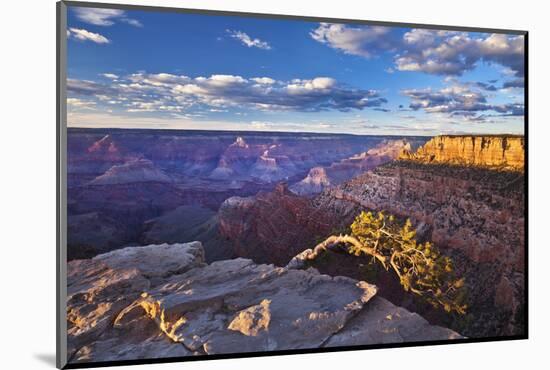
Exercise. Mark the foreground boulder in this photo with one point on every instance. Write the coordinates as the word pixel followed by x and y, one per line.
pixel 164 301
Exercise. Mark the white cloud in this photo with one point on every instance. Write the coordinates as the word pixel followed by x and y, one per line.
pixel 84 35
pixel 111 76
pixel 453 53
pixel 165 92
pixel 249 41
pixel 305 86
pixel 464 100
pixel 263 80
pixel 447 53
pixel 104 17
pixel 364 41
pixel 98 17
pixel 75 103
pixel 132 22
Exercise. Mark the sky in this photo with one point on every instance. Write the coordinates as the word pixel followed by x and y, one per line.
pixel 147 69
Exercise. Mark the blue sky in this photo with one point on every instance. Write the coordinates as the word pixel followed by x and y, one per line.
pixel 143 69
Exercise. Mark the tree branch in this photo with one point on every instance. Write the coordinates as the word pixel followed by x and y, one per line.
pixel 298 261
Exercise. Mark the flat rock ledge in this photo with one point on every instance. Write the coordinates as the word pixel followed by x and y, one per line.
pixel 162 301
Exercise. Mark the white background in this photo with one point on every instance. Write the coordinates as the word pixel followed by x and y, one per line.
pixel 27 209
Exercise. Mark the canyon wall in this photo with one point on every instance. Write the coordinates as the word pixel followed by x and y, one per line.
pixel 506 152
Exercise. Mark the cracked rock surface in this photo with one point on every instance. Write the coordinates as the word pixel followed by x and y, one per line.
pixel 164 301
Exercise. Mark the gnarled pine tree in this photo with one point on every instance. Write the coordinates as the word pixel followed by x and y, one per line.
pixel 420 267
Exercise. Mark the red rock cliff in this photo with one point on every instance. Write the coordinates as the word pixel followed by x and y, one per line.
pixel 490 151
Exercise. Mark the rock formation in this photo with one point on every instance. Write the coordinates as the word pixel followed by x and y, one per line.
pixel 506 152
pixel 164 301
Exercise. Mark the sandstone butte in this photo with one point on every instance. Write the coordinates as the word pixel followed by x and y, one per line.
pixel 502 151
pixel 164 301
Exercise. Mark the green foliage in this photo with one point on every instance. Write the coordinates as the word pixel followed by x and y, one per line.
pixel 420 267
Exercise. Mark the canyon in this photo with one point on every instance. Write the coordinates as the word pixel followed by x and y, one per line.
pixel 200 226
pixel 130 187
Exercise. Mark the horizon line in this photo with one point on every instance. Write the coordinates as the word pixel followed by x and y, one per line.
pixel 291 132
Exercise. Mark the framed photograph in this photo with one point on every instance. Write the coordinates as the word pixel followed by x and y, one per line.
pixel 235 184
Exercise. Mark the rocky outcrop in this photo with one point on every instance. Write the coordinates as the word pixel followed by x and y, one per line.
pixel 164 301
pixel 506 152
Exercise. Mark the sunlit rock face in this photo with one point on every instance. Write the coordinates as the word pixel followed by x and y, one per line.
pixel 507 152
pixel 164 301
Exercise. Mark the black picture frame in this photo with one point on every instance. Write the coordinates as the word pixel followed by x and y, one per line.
pixel 61 176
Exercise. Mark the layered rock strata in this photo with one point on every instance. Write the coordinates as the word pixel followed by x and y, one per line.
pixel 506 152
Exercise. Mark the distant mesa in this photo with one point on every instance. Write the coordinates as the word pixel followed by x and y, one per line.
pixel 235 160
pixel 135 171
pixel 499 151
